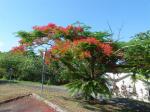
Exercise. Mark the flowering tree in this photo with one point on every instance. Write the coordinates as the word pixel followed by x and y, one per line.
pixel 85 55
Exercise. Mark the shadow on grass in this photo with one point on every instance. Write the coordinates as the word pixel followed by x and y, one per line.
pixel 82 103
pixel 129 105
pixel 114 105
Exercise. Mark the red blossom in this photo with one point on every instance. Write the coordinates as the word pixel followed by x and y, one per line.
pixel 51 25
pixel 61 30
pixel 80 29
pixel 61 47
pixel 45 28
pixel 107 49
pixel 19 49
pixel 47 58
pixel 89 40
pixel 54 47
pixel 87 54
pixel 69 27
pixel 52 29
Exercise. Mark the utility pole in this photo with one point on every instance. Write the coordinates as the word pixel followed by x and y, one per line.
pixel 43 69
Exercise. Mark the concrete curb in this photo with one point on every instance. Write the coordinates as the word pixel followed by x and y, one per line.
pixel 15 98
pixel 54 106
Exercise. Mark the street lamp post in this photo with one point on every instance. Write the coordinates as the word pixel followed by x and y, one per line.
pixel 43 70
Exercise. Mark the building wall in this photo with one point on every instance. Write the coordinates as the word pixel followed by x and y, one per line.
pixel 126 87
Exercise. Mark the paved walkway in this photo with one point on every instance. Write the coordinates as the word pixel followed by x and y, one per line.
pixel 26 104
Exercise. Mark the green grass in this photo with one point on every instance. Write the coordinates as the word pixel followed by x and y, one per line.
pixel 8 91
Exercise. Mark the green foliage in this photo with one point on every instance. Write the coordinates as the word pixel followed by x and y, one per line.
pixel 23 67
pixel 2 73
pixel 137 55
pixel 57 74
pixel 7 61
pixel 89 88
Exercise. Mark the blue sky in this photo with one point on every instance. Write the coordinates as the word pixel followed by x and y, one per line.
pixel 15 15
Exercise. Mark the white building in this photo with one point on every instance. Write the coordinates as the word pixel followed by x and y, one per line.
pixel 124 86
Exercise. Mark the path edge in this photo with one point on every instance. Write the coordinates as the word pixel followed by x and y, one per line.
pixel 54 106
pixel 15 98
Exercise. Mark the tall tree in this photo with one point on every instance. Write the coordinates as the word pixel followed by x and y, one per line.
pixel 85 55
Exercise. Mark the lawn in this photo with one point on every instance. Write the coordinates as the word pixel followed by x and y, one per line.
pixel 59 95
pixel 8 91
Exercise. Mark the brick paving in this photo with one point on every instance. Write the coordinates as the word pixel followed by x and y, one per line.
pixel 26 104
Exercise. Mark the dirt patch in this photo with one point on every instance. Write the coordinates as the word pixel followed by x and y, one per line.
pixel 25 104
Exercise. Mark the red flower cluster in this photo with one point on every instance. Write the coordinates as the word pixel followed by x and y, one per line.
pixel 25 44
pixel 18 50
pixel 54 29
pixel 85 54
pixel 107 49
pixel 61 47
pixel 70 39
pixel 89 40
pixel 47 57
pixel 45 28
pixel 76 29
